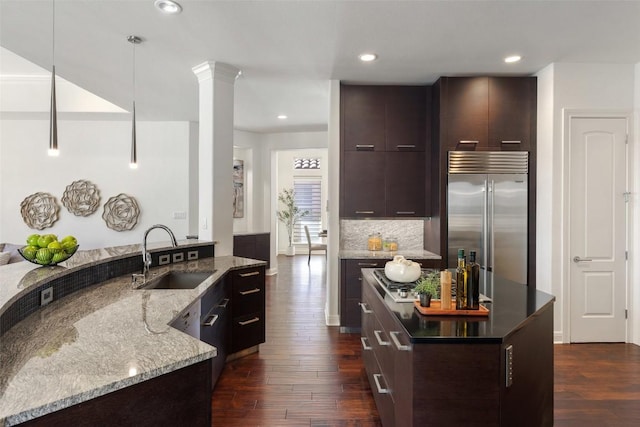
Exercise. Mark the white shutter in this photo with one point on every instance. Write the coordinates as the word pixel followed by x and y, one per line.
pixel 308 197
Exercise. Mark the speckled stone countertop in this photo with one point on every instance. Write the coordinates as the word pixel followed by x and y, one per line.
pixel 409 254
pixel 98 340
pixel 19 278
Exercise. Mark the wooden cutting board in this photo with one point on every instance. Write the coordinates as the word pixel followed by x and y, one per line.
pixel 436 310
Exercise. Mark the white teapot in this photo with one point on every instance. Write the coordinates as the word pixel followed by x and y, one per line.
pixel 402 270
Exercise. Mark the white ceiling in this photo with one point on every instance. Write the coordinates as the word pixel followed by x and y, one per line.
pixel 288 50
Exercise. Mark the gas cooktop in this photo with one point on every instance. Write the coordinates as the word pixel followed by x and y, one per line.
pixel 399 292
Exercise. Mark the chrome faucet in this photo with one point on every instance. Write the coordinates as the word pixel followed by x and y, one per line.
pixel 146 256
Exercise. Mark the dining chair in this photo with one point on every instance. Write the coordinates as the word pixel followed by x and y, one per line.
pixel 314 246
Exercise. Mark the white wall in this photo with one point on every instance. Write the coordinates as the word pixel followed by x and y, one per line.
pixel 97 151
pixel 592 87
pixel 634 272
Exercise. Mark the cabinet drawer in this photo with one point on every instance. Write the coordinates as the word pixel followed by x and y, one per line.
pixel 247 331
pixel 379 389
pixel 248 292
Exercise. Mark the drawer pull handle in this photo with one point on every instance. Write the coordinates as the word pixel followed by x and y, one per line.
pixel 379 338
pixel 376 378
pixel 365 212
pixel 250 291
pixel 186 315
pixel 364 308
pixel 512 142
pixel 367 264
pixel 250 321
pixel 253 273
pixel 406 213
pixel 396 341
pixel 210 320
pixel 469 142
pixel 224 303
pixel 406 146
pixel 365 346
pixel 365 146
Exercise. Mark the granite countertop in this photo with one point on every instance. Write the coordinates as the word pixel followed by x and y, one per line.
pixel 407 253
pixel 512 305
pixel 98 340
pixel 19 278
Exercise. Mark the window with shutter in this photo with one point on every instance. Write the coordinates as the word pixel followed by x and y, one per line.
pixel 308 197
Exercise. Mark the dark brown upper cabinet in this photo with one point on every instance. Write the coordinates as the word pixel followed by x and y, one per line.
pixel 488 113
pixel 385 150
pixel 363 117
pixel 406 118
pixel 384 118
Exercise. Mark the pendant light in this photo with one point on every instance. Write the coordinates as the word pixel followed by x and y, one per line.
pixel 134 40
pixel 53 112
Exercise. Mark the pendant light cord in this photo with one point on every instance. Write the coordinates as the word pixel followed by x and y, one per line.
pixel 53 33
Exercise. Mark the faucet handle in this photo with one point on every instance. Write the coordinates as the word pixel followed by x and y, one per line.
pixel 137 279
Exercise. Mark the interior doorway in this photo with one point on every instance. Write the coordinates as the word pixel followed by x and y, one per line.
pixel 598 224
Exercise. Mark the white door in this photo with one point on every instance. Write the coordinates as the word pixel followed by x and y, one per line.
pixel 598 229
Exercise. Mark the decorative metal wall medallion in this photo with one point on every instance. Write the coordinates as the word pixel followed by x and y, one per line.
pixel 39 210
pixel 81 198
pixel 121 212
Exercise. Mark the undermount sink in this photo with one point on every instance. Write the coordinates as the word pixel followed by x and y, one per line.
pixel 178 280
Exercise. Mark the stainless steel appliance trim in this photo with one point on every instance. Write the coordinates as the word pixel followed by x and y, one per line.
pixel 469 162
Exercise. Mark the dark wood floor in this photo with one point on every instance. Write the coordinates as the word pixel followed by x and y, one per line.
pixel 308 374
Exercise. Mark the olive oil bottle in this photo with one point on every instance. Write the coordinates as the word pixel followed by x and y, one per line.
pixel 473 282
pixel 461 282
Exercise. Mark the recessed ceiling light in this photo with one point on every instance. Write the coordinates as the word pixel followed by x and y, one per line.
pixel 367 57
pixel 512 58
pixel 282 116
pixel 168 6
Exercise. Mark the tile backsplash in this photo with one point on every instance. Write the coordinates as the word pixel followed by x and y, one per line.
pixel 355 232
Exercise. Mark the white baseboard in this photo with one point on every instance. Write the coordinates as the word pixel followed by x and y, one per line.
pixel 272 272
pixel 331 319
pixel 558 338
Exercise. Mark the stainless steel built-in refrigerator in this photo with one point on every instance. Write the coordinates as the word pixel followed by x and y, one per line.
pixel 487 210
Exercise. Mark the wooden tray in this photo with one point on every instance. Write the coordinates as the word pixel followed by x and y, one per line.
pixel 436 310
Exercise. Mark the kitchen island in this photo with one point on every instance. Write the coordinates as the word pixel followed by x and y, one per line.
pixel 494 370
pixel 107 349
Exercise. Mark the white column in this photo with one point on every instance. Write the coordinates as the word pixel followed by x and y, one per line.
pixel 332 306
pixel 215 211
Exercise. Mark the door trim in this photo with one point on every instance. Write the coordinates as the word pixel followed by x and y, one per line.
pixel 565 267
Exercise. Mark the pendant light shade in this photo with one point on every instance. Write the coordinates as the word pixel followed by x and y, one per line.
pixel 53 112
pixel 133 164
pixel 53 118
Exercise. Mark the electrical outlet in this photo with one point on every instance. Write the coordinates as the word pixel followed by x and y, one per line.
pixel 192 255
pixel 508 356
pixel 178 257
pixel 180 215
pixel 164 259
pixel 46 296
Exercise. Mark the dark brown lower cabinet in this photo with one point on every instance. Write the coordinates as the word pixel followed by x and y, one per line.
pixel 254 246
pixel 457 382
pixel 248 299
pixel 179 398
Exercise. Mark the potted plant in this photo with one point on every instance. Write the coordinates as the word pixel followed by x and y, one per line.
pixel 428 287
pixel 290 215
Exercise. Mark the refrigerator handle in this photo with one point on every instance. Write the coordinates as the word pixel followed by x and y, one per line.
pixel 485 227
pixel 490 231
